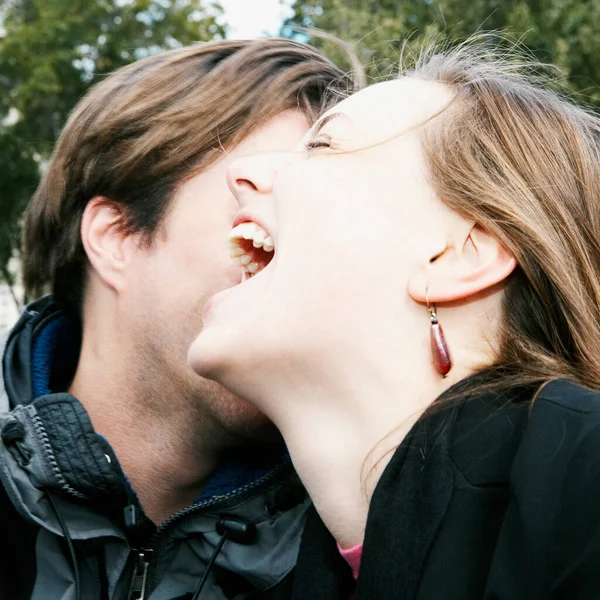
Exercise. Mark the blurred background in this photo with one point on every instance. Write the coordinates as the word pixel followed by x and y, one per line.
pixel 52 51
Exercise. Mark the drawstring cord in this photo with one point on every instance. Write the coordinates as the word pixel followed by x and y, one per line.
pixel 209 566
pixel 233 528
pixel 70 546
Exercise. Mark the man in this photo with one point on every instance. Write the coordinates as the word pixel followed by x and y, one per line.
pixel 124 475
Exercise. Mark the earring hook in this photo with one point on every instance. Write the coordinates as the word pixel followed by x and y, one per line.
pixel 431 308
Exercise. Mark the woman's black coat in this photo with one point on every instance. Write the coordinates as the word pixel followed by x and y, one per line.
pixel 496 498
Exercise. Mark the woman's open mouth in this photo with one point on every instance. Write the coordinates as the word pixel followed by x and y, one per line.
pixel 252 246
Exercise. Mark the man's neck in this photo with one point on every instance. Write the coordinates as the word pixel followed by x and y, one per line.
pixel 158 452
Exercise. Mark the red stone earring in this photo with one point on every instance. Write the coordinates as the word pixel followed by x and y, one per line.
pixel 439 348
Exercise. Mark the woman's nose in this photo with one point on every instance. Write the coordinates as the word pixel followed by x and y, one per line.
pixel 250 177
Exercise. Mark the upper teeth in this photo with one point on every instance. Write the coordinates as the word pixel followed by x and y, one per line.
pixel 260 239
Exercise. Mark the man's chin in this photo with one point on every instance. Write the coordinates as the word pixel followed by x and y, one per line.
pixel 240 418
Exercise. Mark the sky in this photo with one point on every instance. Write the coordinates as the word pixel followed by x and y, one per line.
pixel 253 18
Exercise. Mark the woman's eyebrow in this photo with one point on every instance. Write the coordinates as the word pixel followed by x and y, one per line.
pixel 322 122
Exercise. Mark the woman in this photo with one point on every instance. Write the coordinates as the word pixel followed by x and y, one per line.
pixel 454 464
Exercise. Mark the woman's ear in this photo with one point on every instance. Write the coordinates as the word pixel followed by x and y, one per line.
pixel 474 262
pixel 104 239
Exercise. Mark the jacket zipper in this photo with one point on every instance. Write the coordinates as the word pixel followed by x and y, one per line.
pixel 210 503
pixel 139 580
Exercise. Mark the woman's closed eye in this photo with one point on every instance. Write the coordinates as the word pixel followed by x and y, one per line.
pixel 319 142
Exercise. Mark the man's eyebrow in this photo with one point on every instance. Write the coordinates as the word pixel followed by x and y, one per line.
pixel 322 122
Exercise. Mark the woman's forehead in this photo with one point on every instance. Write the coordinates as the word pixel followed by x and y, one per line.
pixel 392 107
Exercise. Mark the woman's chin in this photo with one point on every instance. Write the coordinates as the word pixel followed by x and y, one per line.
pixel 224 316
pixel 208 354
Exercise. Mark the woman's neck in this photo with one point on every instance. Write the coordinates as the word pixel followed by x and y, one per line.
pixel 340 465
pixel 341 427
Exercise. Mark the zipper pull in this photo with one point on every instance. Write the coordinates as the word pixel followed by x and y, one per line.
pixel 137 589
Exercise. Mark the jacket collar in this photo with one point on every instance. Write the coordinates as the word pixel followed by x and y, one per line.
pixel 40 352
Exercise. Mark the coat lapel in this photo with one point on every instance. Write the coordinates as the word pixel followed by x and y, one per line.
pixel 407 508
pixel 321 572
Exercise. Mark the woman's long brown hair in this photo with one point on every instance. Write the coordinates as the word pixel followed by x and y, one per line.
pixel 523 161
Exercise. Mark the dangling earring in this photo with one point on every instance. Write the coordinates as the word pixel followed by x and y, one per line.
pixel 439 348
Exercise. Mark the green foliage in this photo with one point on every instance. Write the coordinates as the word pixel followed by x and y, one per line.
pixel 376 28
pixel 51 52
pixel 563 32
pixel 18 178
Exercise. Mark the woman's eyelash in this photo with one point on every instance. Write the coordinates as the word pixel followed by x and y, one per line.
pixel 318 143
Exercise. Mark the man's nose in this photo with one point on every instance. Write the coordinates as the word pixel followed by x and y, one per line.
pixel 251 177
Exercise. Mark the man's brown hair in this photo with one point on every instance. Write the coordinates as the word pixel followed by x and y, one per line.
pixel 137 135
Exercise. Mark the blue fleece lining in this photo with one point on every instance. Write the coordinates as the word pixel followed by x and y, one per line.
pixel 56 350
pixel 47 358
pixel 232 476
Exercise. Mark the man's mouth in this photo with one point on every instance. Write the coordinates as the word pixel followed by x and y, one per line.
pixel 252 246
